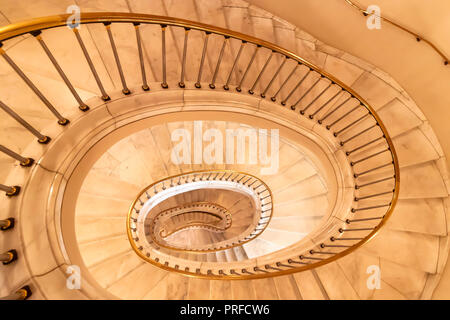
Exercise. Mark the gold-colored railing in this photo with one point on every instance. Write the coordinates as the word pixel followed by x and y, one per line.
pixel 417 36
pixel 204 215
pixel 338 120
pixel 139 222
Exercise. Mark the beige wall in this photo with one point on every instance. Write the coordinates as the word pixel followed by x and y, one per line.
pixel 416 67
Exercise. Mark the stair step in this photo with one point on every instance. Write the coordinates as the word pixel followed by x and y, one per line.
pixel 310 286
pixel 265 289
pixel 287 288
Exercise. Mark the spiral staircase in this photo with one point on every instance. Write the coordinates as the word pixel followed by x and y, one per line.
pixel 361 178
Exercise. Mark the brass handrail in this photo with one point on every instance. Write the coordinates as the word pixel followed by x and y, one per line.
pixel 415 35
pixel 36 25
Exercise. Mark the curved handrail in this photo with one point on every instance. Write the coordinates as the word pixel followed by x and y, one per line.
pixel 37 25
pixel 415 35
pixel 206 209
pixel 239 178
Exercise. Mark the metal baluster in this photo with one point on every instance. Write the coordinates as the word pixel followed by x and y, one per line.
pixel 267 266
pixel 181 84
pixel 263 94
pixel 245 271
pixel 295 88
pixel 145 86
pixel 10 191
pixel 24 162
pixel 202 61
pixel 350 125
pixel 356 135
pixel 368 157
pixel 323 245
pixel 362 146
pixel 274 97
pixel 21 294
pixel 311 116
pixel 251 91
pixel 219 61
pixel 307 91
pixel 373 182
pixel 252 59
pixel 61 120
pixel 316 98
pixel 370 208
pixel 345 239
pixel 105 96
pixel 41 138
pixel 357 175
pixel 125 89
pixel 279 264
pixel 8 257
pixel 321 252
pixel 226 87
pixel 164 84
pixel 256 269
pixel 296 262
pixel 342 117
pixel 348 221
pixel 309 258
pixel 355 230
pixel 82 106
pixel 334 110
pixel 374 195
pixel 7 224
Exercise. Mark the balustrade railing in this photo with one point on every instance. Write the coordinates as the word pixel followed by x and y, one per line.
pixel 141 222
pixel 308 91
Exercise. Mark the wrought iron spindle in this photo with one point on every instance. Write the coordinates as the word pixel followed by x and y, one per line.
pixel 351 124
pixel 295 88
pixel 252 59
pixel 312 115
pixel 21 294
pixel 125 89
pixel 251 91
pixel 274 97
pixel 219 61
pixel 145 86
pixel 202 61
pixel 181 84
pixel 316 98
pixel 8 257
pixel 359 186
pixel 263 94
pixel 236 59
pixel 164 84
pixel 320 121
pixel 24 162
pixel 10 191
pixel 81 105
pixel 105 96
pixel 41 138
pixel 61 120
pixel 7 224
pixel 356 135
pixel 293 107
